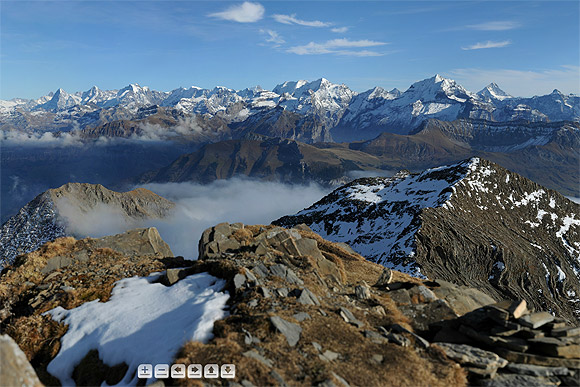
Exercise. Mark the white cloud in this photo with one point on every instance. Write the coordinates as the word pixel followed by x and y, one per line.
pixel 199 207
pixel 488 44
pixel 338 47
pixel 246 12
pixel 291 19
pixel 273 37
pixel 495 26
pixel 339 30
pixel 520 82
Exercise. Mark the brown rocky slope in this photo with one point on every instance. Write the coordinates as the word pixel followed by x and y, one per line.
pixel 303 311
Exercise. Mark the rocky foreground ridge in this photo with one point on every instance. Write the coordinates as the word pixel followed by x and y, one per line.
pixel 473 223
pixel 49 215
pixel 301 311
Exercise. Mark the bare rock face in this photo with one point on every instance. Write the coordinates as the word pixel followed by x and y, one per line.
pixel 473 223
pixel 15 370
pixel 138 242
pixel 50 214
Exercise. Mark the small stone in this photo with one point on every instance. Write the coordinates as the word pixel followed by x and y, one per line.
pixel 264 291
pixel 305 297
pixel 349 317
pixel 481 373
pixel 290 330
pixel 343 382
pixel 251 277
pixel 529 358
pixel 328 356
pixel 222 231
pixel 67 288
pixel 518 308
pixel 253 303
pixel 398 339
pixel 497 314
pixel 362 292
pixel 261 270
pixel 239 280
pixel 385 278
pixel 566 332
pixel 536 320
pixel 374 336
pixel 255 355
pixel 286 273
pixel 322 312
pixel 55 263
pixel 534 370
pixel 282 292
pixel 377 358
pixel 515 380
pixel 51 276
pixel 301 316
pixel 400 297
pixel 424 294
pixel 261 249
pixel 317 346
pixel 228 245
pixel 418 339
pixel 174 275
pixel 281 382
pixel 471 356
pixel 379 310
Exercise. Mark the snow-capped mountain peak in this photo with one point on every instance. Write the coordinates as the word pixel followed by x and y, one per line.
pixel 493 92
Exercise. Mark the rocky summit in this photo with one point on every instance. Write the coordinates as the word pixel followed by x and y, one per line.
pixel 473 223
pixel 301 311
pixel 50 214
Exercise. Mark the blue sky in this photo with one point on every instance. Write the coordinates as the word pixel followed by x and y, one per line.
pixel 526 47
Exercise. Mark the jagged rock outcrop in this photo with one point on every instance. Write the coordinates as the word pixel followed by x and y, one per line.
pixel 50 214
pixel 473 223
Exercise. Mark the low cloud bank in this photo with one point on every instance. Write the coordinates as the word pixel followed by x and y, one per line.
pixel 199 207
pixel 149 133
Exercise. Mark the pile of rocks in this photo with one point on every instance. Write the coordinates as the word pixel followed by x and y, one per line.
pixel 518 347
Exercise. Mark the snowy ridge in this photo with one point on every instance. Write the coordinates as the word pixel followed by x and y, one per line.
pixel 379 217
pixel 471 222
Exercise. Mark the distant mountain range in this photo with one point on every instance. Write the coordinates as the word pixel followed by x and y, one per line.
pixel 320 110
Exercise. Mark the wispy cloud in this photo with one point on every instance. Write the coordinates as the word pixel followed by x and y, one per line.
pixel 339 30
pixel 495 26
pixel 246 12
pixel 521 82
pixel 338 47
pixel 488 44
pixel 291 19
pixel 273 37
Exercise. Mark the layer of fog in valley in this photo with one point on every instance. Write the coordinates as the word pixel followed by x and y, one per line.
pixel 199 207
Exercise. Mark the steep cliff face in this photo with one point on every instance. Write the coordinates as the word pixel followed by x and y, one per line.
pixel 47 216
pixel 472 223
